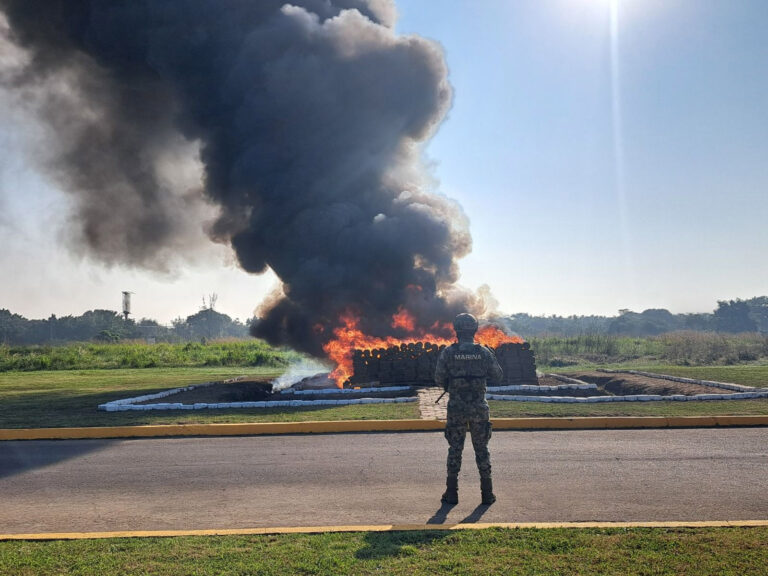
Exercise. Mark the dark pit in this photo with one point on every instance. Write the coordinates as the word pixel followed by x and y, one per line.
pixel 240 391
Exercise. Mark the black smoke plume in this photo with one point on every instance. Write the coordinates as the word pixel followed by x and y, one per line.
pixel 310 118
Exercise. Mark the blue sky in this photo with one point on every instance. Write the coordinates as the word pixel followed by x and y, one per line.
pixel 531 146
pixel 609 154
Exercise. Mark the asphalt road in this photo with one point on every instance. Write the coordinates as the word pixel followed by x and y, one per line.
pixel 351 479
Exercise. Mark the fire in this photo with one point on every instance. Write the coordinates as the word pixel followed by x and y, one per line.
pixel 403 319
pixel 490 335
pixel 348 337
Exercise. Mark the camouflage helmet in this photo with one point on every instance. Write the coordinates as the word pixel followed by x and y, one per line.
pixel 465 323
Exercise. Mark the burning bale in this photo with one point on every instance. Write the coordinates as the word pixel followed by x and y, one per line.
pixel 414 363
pixel 360 357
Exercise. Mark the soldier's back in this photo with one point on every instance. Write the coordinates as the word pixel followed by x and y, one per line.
pixel 467 367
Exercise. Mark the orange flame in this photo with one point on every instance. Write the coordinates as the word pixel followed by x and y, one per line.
pixel 403 319
pixel 491 336
pixel 348 337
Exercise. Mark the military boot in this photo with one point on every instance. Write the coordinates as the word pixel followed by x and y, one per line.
pixel 486 489
pixel 451 495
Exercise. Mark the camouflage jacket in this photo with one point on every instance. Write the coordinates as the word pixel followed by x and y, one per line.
pixel 463 369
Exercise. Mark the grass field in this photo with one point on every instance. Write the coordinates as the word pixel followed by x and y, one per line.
pixel 678 348
pixel 70 398
pixel 64 398
pixel 501 409
pixel 572 552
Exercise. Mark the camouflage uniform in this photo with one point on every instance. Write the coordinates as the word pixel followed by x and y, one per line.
pixel 462 370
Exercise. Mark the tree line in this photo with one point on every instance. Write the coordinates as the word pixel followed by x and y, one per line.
pixel 730 316
pixel 110 326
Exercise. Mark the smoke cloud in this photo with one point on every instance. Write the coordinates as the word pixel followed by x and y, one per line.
pixel 309 120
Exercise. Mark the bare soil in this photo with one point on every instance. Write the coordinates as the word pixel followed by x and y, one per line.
pixel 624 384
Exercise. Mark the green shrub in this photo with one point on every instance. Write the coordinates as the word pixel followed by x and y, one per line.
pixel 682 348
pixel 87 355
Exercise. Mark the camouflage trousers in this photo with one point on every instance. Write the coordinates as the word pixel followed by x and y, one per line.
pixel 456 432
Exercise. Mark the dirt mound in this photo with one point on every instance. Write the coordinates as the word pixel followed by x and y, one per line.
pixel 320 381
pixel 625 384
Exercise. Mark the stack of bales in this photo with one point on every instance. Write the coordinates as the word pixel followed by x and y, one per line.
pixel 414 363
pixel 518 363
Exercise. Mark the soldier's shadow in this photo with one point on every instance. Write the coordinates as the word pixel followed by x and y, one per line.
pixel 476 514
pixel 441 514
pixel 396 543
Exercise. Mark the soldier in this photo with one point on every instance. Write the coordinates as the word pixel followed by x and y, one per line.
pixel 463 369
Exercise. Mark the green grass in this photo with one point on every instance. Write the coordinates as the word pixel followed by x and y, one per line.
pixel 677 348
pixel 88 355
pixel 501 409
pixel 70 398
pixel 572 552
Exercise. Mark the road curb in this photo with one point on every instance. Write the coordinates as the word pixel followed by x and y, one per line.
pixel 341 426
pixel 378 528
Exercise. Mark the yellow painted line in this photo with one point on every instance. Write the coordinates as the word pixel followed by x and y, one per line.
pixel 734 420
pixel 614 422
pixel 375 528
pixel 339 426
pixel 244 429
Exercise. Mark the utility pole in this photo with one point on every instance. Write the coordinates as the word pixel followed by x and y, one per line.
pixel 127 304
